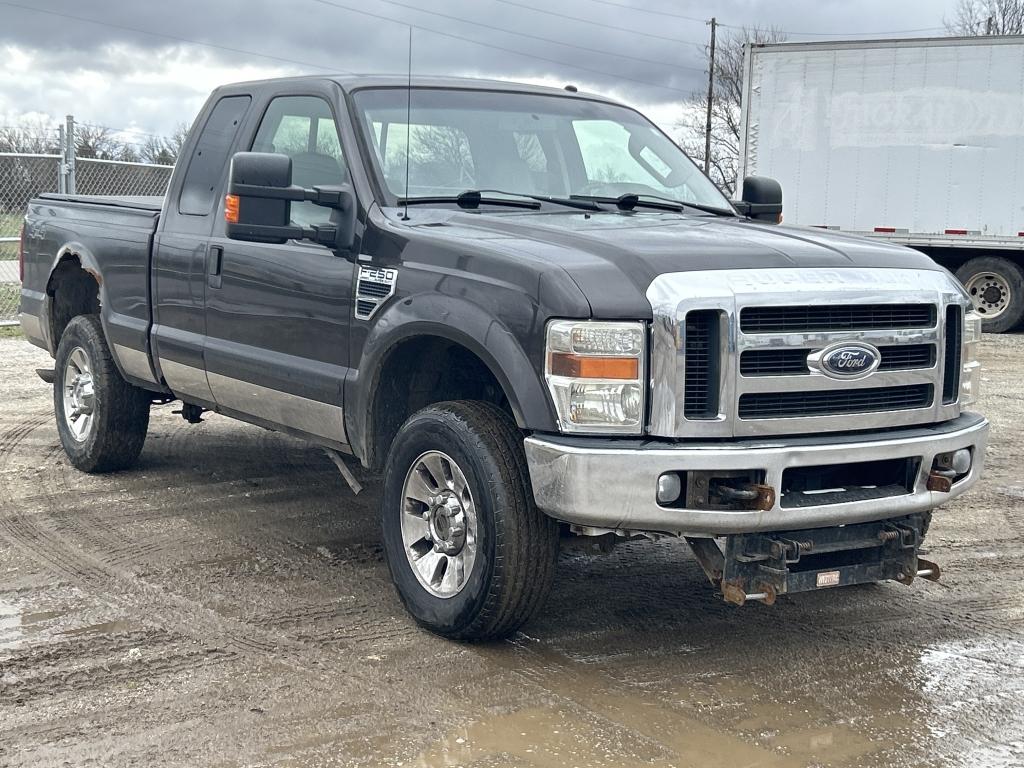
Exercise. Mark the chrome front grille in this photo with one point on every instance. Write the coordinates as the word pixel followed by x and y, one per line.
pixel 764 374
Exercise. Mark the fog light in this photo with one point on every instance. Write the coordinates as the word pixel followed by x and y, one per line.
pixel 961 461
pixel 670 487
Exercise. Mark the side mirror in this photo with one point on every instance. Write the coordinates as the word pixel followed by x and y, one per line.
pixel 259 201
pixel 762 199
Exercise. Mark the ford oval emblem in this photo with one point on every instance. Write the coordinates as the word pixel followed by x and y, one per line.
pixel 847 361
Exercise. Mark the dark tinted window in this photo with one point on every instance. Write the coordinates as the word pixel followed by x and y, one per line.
pixel 303 128
pixel 210 156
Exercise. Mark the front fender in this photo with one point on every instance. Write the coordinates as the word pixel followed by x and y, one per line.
pixel 463 322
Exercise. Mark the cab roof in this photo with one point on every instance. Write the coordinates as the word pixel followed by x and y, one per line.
pixel 354 82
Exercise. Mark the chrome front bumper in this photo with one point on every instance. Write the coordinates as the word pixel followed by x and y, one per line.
pixel 612 483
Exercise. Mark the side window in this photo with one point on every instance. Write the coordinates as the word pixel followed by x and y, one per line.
pixel 210 156
pixel 303 128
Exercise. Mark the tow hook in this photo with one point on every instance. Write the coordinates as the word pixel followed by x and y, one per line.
pixel 733 592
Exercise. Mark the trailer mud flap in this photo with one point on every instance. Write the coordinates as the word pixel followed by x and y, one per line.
pixel 762 566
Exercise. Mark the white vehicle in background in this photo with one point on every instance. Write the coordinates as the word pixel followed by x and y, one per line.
pixel 919 142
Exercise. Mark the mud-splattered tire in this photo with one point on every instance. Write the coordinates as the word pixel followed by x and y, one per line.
pixel 483 490
pixel 996 286
pixel 109 429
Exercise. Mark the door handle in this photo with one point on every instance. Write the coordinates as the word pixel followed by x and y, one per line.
pixel 214 259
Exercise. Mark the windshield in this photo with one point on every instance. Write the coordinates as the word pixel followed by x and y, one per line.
pixel 524 144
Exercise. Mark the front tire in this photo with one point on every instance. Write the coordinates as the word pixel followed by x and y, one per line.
pixel 101 419
pixel 996 287
pixel 471 556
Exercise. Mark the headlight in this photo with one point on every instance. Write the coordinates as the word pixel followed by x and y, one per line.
pixel 595 373
pixel 970 375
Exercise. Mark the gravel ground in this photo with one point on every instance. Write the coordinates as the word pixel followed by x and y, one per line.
pixel 226 603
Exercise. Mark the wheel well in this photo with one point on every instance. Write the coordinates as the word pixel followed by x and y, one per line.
pixel 74 291
pixel 418 372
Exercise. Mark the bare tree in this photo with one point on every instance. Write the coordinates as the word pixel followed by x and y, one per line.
pixel 154 150
pixel 987 17
pixel 96 141
pixel 33 137
pixel 129 153
pixel 725 108
pixel 164 150
pixel 177 138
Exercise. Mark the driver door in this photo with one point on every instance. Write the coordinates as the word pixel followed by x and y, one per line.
pixel 277 316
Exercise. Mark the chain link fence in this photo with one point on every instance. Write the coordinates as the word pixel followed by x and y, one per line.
pixel 24 176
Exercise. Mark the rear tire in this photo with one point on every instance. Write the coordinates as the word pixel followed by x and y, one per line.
pixel 479 517
pixel 101 419
pixel 996 287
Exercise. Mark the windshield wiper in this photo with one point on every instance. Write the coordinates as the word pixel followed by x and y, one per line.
pixel 631 200
pixel 474 198
pixel 469 199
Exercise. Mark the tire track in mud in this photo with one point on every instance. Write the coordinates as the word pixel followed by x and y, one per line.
pixel 33 533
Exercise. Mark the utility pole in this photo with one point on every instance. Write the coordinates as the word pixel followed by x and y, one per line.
pixel 711 97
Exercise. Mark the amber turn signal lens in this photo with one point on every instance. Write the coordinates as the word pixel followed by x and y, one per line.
pixel 231 209
pixel 577 367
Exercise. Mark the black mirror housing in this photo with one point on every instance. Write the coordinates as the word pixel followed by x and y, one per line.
pixel 259 201
pixel 254 181
pixel 762 199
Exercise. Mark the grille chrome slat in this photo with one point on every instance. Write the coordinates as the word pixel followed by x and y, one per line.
pixel 793 361
pixel 781 405
pixel 839 317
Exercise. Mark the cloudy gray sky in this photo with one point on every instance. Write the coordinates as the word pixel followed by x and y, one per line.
pixel 143 66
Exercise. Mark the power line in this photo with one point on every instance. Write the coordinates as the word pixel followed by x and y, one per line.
pixel 638 9
pixel 171 37
pixel 506 31
pixel 492 46
pixel 844 34
pixel 684 17
pixel 580 19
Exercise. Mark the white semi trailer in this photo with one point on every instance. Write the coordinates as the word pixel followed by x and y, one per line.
pixel 919 142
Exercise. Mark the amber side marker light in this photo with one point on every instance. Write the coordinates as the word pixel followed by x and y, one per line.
pixel 577 367
pixel 231 209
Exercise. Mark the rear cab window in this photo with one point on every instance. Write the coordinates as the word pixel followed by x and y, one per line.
pixel 210 156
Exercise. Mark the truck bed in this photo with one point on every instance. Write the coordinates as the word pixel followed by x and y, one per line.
pixel 138 202
pixel 109 236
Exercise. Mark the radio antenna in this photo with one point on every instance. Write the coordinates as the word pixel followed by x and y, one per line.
pixel 408 127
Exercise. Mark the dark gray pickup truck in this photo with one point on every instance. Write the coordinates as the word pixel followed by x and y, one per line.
pixel 538 319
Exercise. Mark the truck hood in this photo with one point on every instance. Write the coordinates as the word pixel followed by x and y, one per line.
pixel 613 257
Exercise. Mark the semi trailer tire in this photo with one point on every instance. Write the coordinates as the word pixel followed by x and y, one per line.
pixel 996 286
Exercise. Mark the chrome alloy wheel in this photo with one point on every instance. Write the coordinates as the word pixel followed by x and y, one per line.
pixel 990 293
pixel 79 395
pixel 439 524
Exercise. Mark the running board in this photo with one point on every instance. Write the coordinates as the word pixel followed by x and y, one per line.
pixel 762 566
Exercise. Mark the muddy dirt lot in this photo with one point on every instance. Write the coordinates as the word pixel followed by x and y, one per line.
pixel 226 603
